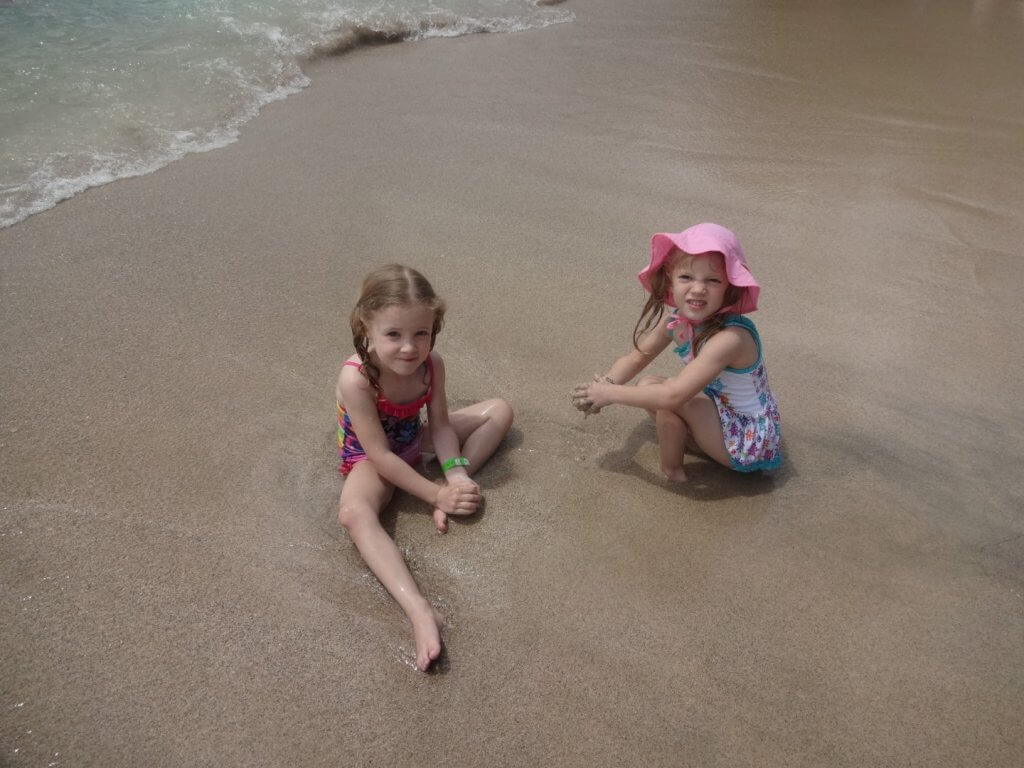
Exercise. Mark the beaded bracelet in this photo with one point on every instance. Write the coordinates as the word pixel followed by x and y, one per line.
pixel 456 461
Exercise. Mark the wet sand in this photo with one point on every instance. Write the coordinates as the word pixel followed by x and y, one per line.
pixel 175 589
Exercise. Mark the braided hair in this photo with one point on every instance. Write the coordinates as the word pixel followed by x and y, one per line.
pixel 389 286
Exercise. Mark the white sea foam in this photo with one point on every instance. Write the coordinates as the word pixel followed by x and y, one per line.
pixel 93 92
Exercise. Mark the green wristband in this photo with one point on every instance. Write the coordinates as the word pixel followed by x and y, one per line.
pixel 457 461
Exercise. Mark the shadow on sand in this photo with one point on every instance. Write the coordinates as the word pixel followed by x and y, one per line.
pixel 709 480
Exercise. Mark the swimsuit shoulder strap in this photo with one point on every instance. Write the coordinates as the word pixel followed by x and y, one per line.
pixel 742 321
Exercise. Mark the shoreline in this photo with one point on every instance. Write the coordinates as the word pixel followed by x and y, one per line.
pixel 142 153
pixel 171 561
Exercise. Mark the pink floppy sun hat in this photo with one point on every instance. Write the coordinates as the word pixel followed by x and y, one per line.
pixel 704 238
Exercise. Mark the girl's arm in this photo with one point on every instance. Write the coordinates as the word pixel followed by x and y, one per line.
pixel 360 401
pixel 629 365
pixel 725 348
pixel 446 441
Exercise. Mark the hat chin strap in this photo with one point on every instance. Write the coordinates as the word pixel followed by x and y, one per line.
pixel 680 319
pixel 677 320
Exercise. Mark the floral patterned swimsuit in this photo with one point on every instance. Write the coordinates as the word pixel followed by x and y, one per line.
pixel 401 423
pixel 746 406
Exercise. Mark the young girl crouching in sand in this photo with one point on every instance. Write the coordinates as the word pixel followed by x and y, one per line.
pixel 720 402
pixel 381 391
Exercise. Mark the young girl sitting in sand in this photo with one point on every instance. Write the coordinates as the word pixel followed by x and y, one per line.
pixel 381 391
pixel 720 402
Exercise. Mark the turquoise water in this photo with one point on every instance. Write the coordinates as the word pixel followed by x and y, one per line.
pixel 92 92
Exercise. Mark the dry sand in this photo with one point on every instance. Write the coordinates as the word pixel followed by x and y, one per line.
pixel 175 589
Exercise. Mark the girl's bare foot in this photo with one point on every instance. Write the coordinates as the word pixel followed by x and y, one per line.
pixel 676 475
pixel 426 629
pixel 441 520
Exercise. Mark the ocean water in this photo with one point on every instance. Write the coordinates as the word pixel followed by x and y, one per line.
pixel 95 91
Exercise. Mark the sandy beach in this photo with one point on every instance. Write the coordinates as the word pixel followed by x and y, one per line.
pixel 175 589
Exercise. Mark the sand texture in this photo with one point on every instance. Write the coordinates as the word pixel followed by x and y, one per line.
pixel 175 589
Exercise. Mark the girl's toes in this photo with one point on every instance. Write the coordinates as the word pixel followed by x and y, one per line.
pixel 441 521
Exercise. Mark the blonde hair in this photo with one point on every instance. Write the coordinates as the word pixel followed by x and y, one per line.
pixel 654 308
pixel 390 286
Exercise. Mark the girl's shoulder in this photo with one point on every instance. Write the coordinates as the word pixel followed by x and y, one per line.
pixel 352 376
pixel 352 368
pixel 741 335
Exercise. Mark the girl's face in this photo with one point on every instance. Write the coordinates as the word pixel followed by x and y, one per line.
pixel 399 336
pixel 698 284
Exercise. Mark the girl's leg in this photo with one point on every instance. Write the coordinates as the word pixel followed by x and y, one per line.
pixel 695 425
pixel 480 428
pixel 705 428
pixel 672 438
pixel 643 381
pixel 362 498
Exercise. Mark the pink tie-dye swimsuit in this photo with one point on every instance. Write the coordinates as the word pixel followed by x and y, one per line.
pixel 401 423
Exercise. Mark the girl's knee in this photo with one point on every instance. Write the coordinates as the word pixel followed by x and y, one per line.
pixel 353 514
pixel 501 413
pixel 643 381
pixel 667 417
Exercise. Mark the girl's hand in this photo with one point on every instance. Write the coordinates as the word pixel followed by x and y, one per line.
pixel 463 490
pixel 460 497
pixel 588 397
